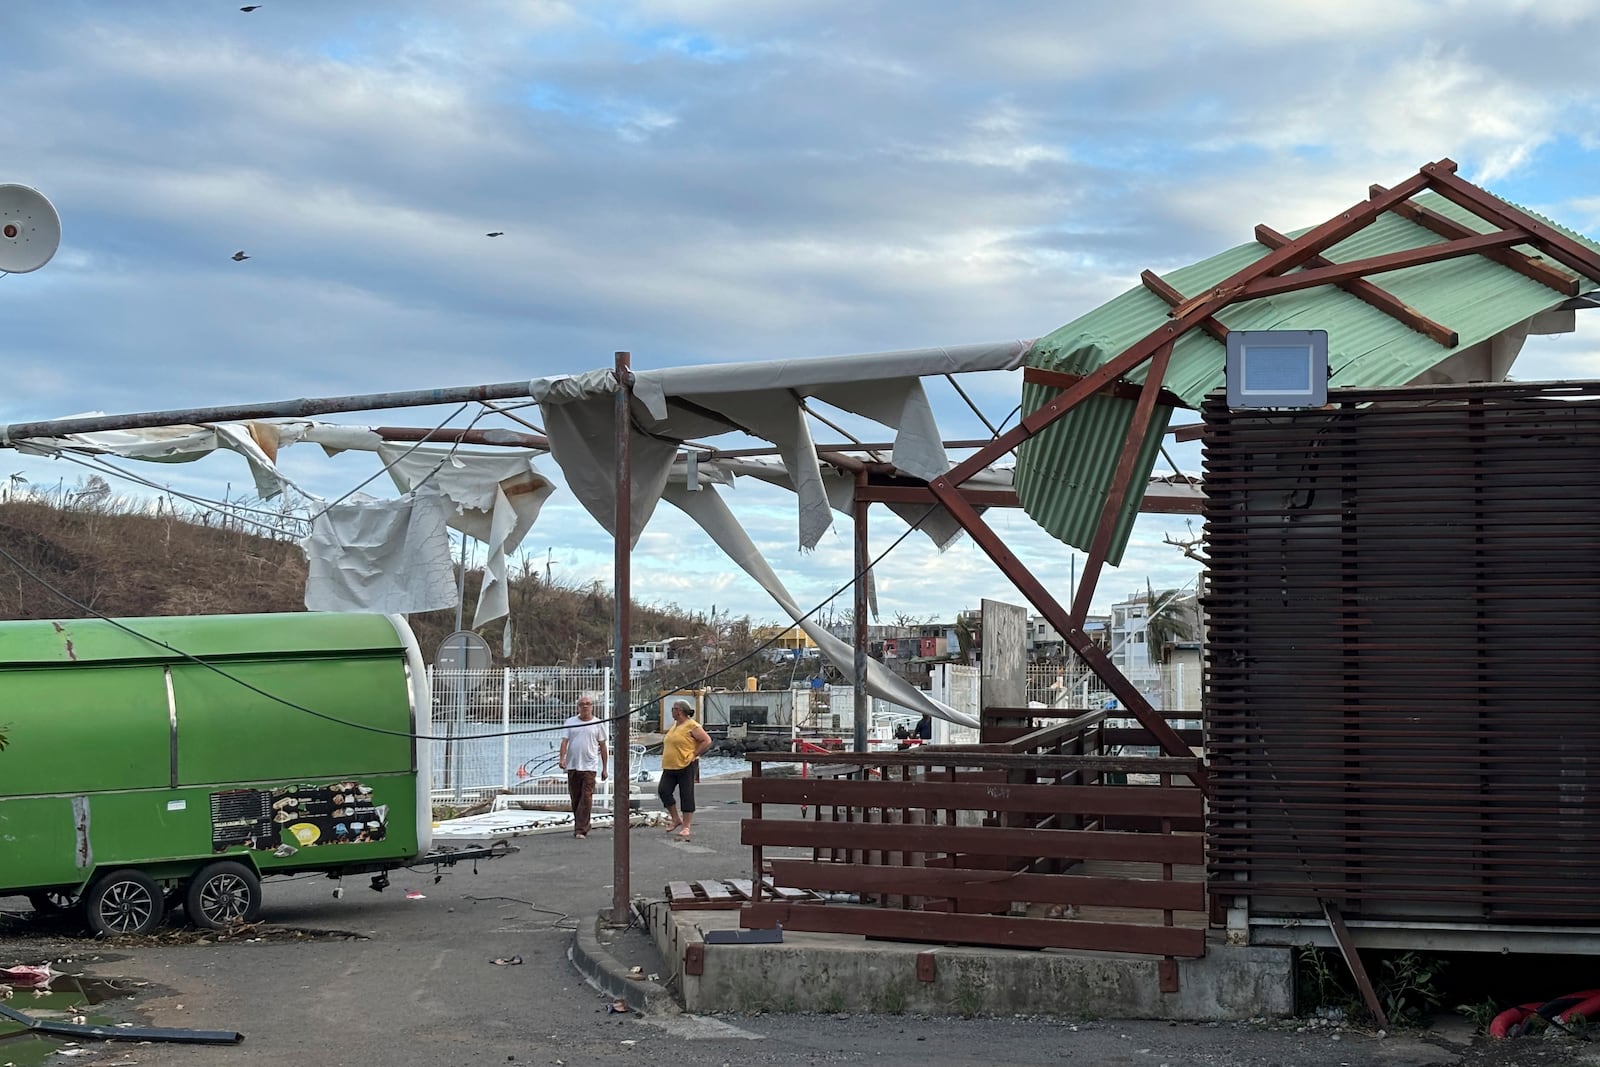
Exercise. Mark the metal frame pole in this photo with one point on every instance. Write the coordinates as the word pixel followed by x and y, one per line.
pixel 862 700
pixel 622 542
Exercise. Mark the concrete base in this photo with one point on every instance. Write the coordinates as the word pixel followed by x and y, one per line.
pixel 835 972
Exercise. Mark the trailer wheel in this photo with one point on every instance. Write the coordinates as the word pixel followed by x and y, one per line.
pixel 53 903
pixel 222 895
pixel 124 902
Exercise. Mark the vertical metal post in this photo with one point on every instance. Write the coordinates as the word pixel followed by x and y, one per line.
pixel 458 728
pixel 862 700
pixel 622 543
pixel 505 728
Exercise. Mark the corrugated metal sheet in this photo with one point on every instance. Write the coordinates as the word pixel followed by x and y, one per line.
pixel 1472 295
pixel 1400 693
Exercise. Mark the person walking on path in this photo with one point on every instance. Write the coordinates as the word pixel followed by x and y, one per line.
pixel 681 748
pixel 583 752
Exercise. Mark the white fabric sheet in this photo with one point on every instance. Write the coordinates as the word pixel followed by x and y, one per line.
pixel 707 508
pixel 391 556
pixel 765 400
pixel 497 497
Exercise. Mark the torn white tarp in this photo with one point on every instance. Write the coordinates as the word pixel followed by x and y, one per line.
pixel 707 508
pixel 497 498
pixel 391 556
pixel 257 442
pixel 931 519
pixel 760 399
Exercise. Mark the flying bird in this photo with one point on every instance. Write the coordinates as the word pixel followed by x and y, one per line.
pixel 250 7
pixel 239 256
pixel 497 233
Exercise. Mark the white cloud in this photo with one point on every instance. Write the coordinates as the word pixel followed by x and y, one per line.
pixel 709 180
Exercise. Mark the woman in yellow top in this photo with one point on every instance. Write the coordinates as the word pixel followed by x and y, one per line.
pixel 681 748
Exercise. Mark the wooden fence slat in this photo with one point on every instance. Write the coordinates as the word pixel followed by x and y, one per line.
pixel 1001 886
pixel 1039 799
pixel 978 929
pixel 981 756
pixel 979 840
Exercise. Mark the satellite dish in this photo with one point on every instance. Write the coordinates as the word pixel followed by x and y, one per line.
pixel 30 229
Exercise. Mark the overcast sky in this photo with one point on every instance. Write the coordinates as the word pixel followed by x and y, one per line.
pixel 708 181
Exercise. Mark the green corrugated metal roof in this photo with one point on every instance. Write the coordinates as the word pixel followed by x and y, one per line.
pixel 1063 473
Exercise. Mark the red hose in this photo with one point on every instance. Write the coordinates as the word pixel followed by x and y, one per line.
pixel 1509 1022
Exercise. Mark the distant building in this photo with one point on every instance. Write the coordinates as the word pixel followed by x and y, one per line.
pixel 650 655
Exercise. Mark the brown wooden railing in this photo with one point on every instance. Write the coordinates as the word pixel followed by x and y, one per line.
pixel 1003 843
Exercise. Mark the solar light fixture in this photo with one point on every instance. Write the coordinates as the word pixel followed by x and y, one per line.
pixel 1277 368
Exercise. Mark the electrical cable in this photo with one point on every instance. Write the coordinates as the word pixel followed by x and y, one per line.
pixel 627 713
pixel 236 511
pixel 59 594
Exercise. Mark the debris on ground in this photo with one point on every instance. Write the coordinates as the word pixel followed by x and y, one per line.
pixel 27 975
pixel 181 1035
pixel 617 1007
pixel 506 961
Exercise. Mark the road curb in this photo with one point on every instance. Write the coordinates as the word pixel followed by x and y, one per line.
pixel 606 973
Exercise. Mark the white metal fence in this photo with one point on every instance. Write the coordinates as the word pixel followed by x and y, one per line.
pixel 503 729
pixel 502 726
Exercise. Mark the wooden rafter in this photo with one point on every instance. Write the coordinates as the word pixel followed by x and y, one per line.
pixel 1521 262
pixel 1123 390
pixel 1153 282
pixel 1372 295
pixel 1357 268
pixel 1544 236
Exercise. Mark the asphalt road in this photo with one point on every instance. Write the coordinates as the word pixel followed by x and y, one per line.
pixel 400 982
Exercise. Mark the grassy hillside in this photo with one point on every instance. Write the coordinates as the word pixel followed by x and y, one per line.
pixel 66 558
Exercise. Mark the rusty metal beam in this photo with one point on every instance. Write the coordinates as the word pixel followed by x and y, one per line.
pixel 490 436
pixel 622 592
pixel 293 409
pixel 1153 502
pixel 921 494
pixel 1352 959
pixel 863 574
pixel 1152 281
pixel 1527 266
pixel 1373 296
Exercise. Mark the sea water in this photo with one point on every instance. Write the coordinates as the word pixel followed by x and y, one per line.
pixel 477 761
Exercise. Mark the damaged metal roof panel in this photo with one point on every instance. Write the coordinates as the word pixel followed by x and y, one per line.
pixel 1063 472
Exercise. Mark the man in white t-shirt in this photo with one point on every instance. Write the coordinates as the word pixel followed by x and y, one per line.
pixel 583 752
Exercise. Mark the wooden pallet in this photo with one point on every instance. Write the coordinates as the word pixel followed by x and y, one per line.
pixel 730 893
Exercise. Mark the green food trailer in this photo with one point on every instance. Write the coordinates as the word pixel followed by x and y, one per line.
pixel 162 761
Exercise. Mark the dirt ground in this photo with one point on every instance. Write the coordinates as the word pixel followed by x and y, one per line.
pixel 383 978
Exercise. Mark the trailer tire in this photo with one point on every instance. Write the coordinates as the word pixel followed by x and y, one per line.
pixel 54 903
pixel 221 895
pixel 124 902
